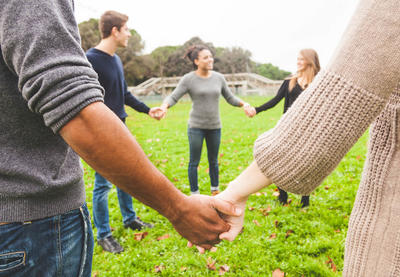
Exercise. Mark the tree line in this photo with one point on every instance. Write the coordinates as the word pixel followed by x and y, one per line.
pixel 168 61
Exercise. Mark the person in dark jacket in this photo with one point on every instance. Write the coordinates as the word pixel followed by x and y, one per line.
pixel 307 67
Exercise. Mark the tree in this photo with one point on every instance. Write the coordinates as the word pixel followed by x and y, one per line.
pixel 177 65
pixel 90 33
pixel 233 60
pixel 160 56
pixel 270 71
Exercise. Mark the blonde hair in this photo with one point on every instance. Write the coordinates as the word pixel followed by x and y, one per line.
pixel 311 69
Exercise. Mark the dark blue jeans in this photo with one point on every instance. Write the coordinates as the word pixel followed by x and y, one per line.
pixel 213 140
pixel 100 206
pixel 61 245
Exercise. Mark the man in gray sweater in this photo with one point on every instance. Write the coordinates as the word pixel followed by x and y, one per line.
pixel 52 111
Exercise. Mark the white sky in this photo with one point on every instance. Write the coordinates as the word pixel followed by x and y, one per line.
pixel 272 30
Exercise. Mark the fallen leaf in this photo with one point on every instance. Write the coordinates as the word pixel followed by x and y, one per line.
pixel 158 268
pixel 211 264
pixel 221 155
pixel 331 264
pixel 164 161
pixel 326 187
pixel 240 167
pixel 258 194
pixel 163 237
pixel 256 222
pixel 223 269
pixel 288 233
pixel 140 236
pixel 207 170
pixel 337 231
pixel 277 224
pixel 278 273
pixel 358 157
pixel 175 179
pixel 272 236
pixel 183 268
pixel 276 193
pixel 251 208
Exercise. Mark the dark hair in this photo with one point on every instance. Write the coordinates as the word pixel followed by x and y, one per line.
pixel 193 52
pixel 111 19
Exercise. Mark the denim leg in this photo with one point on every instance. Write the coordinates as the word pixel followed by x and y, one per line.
pixel 54 246
pixel 100 206
pixel 196 137
pixel 126 206
pixel 213 140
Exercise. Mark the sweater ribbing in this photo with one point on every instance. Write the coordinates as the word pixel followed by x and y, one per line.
pixel 317 131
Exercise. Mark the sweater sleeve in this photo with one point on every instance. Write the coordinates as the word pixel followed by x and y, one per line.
pixel 135 103
pixel 274 101
pixel 328 118
pixel 180 90
pixel 228 95
pixel 40 44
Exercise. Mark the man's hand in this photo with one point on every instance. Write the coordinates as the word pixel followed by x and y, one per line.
pixel 156 113
pixel 199 220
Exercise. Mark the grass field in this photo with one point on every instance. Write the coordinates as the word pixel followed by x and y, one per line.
pixel 299 242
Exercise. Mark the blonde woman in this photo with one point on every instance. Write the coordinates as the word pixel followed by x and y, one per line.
pixel 307 67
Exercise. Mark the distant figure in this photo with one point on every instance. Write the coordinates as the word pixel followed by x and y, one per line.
pixel 108 66
pixel 205 87
pixel 307 67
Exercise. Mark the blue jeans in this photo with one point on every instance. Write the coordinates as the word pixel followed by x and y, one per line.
pixel 213 140
pixel 100 206
pixel 61 245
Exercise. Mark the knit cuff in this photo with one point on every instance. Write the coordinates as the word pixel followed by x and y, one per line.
pixel 317 131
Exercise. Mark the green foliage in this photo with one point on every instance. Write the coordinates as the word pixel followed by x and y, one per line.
pixel 270 71
pixel 169 61
pixel 90 33
pixel 233 60
pixel 313 247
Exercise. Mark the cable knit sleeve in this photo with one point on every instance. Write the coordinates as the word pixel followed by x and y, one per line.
pixel 329 117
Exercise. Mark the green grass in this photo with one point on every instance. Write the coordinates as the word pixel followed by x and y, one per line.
pixel 318 231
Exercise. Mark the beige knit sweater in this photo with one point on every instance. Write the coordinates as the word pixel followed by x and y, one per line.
pixel 329 117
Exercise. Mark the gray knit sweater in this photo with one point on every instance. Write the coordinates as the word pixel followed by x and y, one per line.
pixel 45 80
pixel 328 118
pixel 205 93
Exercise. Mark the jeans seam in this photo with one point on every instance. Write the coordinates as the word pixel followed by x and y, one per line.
pixel 59 246
pixel 21 263
pixel 85 243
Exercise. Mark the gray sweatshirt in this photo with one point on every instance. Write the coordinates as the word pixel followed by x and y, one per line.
pixel 45 80
pixel 205 93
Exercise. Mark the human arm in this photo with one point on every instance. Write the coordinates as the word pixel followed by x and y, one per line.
pixel 60 86
pixel 121 161
pixel 339 105
pixel 233 100
pixel 274 101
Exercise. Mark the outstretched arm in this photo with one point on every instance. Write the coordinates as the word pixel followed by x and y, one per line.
pixel 274 101
pixel 102 140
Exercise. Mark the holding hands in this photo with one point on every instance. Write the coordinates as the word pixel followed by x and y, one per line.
pixel 249 110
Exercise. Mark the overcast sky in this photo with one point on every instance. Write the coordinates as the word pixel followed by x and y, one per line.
pixel 272 30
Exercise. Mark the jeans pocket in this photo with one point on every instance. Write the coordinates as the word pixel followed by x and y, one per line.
pixel 12 260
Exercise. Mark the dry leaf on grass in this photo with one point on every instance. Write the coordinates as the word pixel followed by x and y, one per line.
pixel 158 268
pixel 223 269
pixel 163 237
pixel 211 264
pixel 140 236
